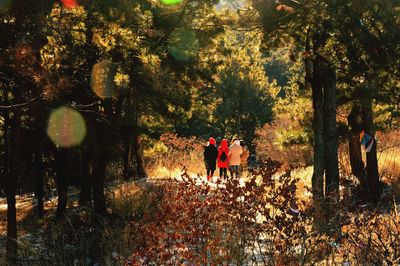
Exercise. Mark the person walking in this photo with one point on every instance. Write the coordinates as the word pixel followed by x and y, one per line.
pixel 235 151
pixel 223 158
pixel 210 158
pixel 244 157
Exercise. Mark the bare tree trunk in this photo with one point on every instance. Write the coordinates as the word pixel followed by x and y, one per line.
pixel 318 126
pixel 62 166
pixel 99 173
pixel 85 195
pixel 330 135
pixel 12 124
pixel 10 188
pixel 86 161
pixel 372 160
pixel 38 163
pixel 103 152
pixel 331 150
pixel 39 175
pixel 357 165
pixel 128 168
pixel 138 149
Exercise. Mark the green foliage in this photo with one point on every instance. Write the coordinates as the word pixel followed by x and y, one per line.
pixel 240 92
pixel 361 41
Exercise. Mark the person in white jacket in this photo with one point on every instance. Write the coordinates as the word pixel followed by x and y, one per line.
pixel 235 150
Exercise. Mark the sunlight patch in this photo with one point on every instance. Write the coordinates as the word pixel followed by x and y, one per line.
pixel 66 127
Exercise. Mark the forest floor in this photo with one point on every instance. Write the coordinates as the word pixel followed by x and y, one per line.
pixel 26 203
pixel 32 231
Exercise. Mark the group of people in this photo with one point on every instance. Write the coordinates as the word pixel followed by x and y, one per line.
pixel 233 157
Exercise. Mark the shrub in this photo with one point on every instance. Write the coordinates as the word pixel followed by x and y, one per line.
pixel 291 146
pixel 231 222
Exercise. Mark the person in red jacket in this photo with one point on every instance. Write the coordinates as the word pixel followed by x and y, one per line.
pixel 223 158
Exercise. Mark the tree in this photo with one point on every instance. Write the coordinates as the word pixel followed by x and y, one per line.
pixel 308 25
pixel 133 67
pixel 369 43
pixel 241 100
pixel 18 83
pixel 353 38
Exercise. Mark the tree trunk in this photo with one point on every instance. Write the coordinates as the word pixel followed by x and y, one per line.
pixel 331 151
pixel 85 195
pixel 318 127
pixel 99 174
pixel 38 164
pixel 330 135
pixel 128 168
pixel 62 170
pixel 39 174
pixel 10 187
pixel 103 152
pixel 372 160
pixel 357 165
pixel 138 150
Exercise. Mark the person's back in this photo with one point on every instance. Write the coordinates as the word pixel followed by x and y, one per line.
pixel 210 153
pixel 235 151
pixel 245 155
pixel 223 158
pixel 210 158
pixel 234 158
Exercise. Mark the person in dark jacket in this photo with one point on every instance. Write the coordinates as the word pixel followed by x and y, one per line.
pixel 210 158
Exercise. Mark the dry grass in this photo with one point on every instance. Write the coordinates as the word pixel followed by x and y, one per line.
pixel 176 153
pixel 304 184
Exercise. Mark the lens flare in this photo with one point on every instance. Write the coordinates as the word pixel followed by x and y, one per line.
pixel 102 79
pixel 5 6
pixel 183 44
pixel 66 127
pixel 171 2
pixel 69 3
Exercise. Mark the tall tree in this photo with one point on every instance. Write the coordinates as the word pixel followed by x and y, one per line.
pixel 308 24
pixel 19 25
pixel 241 97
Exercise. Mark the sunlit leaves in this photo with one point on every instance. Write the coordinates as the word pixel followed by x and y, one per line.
pixel 151 62
pixel 63 26
pixel 121 80
pixel 236 64
pixel 103 40
pixel 52 53
pixel 144 18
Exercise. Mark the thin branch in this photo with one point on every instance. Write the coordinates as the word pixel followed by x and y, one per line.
pixel 86 105
pixel 6 107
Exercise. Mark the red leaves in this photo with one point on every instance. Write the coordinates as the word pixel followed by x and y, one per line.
pixel 210 226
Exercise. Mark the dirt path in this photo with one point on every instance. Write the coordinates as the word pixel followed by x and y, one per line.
pixel 26 203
